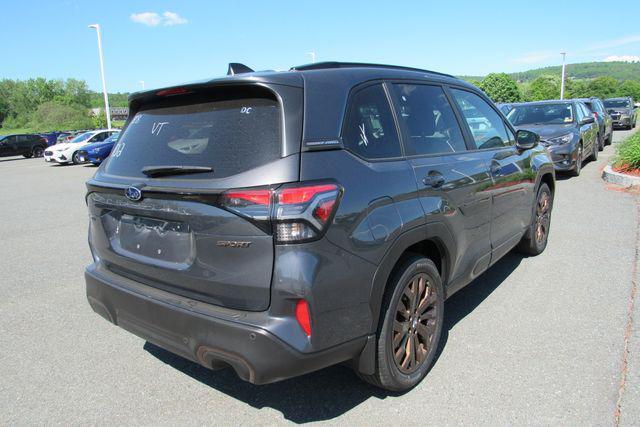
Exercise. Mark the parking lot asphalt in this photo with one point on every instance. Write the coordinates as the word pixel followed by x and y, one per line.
pixel 532 341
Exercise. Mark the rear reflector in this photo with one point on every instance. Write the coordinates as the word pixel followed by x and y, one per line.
pixel 302 316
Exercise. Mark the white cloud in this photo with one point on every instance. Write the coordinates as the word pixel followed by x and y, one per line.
pixel 608 44
pixel 172 18
pixel 153 19
pixel 150 19
pixel 624 58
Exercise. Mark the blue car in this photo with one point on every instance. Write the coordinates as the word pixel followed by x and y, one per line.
pixel 97 152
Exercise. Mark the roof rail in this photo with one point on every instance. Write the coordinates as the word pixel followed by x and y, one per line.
pixel 335 64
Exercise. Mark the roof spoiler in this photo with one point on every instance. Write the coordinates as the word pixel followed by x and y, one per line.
pixel 237 68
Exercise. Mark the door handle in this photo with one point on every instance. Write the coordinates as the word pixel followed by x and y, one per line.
pixel 433 179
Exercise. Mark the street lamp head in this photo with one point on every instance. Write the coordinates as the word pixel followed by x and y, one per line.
pixel 96 26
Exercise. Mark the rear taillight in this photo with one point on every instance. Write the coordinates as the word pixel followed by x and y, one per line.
pixel 595 114
pixel 297 212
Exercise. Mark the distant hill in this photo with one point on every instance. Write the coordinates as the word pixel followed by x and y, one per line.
pixel 586 70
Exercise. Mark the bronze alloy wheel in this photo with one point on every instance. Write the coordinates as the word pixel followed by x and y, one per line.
pixel 414 324
pixel 543 216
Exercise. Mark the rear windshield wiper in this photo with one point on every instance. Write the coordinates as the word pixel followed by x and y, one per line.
pixel 155 171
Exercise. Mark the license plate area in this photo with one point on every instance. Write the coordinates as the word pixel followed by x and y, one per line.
pixel 168 244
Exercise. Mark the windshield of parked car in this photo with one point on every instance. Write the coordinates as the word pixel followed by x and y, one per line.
pixel 82 137
pixel 616 103
pixel 541 114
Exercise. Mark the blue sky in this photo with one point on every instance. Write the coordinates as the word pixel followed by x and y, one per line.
pixel 168 42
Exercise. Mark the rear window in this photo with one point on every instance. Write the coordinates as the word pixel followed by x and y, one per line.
pixel 617 103
pixel 230 136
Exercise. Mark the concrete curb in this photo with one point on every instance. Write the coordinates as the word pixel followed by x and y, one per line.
pixel 609 175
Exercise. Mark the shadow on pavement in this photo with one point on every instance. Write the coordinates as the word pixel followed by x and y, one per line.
pixel 331 392
pixel 13 159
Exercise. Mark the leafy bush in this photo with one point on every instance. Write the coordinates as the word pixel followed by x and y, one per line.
pixel 543 87
pixel 500 88
pixel 628 157
pixel 55 115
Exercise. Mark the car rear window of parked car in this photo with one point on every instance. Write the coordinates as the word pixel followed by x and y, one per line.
pixel 369 130
pixel 486 125
pixel 429 120
pixel 230 136
pixel 617 103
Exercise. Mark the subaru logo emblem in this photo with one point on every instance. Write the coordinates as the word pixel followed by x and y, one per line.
pixel 133 193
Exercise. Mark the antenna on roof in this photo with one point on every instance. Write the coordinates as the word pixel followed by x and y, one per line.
pixel 237 68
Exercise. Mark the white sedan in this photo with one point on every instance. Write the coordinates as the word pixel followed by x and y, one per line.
pixel 68 152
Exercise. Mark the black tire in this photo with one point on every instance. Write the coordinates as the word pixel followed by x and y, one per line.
pixel 37 151
pixel 535 240
pixel 76 158
pixel 607 141
pixel 601 142
pixel 578 167
pixel 594 154
pixel 413 330
pixel 27 155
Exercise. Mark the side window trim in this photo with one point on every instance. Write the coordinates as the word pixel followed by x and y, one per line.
pixel 352 93
pixel 471 145
pixel 402 127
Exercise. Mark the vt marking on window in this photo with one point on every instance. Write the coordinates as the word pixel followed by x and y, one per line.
pixel 156 128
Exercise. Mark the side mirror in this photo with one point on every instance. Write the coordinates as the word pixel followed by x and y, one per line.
pixel 526 140
pixel 587 120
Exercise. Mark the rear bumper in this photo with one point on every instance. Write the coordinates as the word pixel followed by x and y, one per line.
pixel 195 331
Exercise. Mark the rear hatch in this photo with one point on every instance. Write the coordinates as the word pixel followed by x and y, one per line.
pixel 162 206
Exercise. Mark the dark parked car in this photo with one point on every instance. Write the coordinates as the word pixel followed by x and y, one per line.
pixel 98 151
pixel 567 128
pixel 623 112
pixel 234 227
pixel 605 122
pixel 22 145
pixel 505 107
pixel 51 137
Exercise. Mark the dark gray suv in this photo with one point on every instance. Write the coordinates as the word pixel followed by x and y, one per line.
pixel 623 112
pixel 282 222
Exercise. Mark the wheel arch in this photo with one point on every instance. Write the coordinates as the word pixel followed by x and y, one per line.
pixel 431 240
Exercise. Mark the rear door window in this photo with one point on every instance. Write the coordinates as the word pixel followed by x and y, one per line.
pixel 369 130
pixel 230 136
pixel 429 120
pixel 486 125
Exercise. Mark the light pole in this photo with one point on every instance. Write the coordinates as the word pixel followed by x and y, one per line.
pixel 104 84
pixel 313 57
pixel 564 54
pixel 142 83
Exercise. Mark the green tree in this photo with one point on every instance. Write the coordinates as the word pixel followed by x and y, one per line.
pixel 500 88
pixel 54 115
pixel 630 88
pixel 578 89
pixel 603 87
pixel 99 120
pixel 544 87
